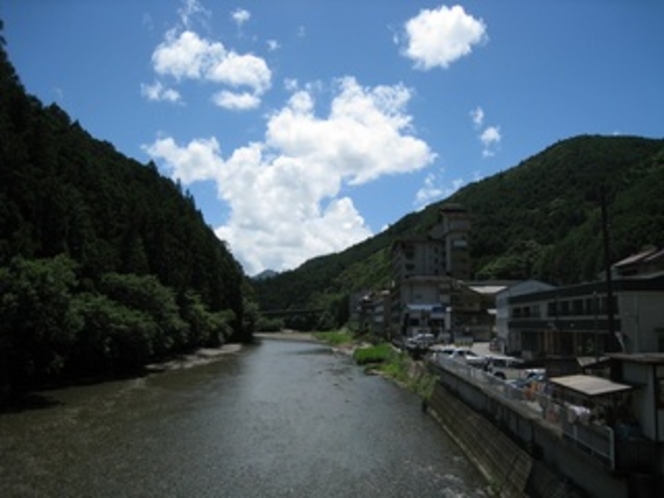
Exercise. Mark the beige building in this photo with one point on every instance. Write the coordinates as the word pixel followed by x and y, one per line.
pixel 427 271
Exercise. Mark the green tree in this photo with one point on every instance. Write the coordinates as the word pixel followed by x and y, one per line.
pixel 37 322
pixel 146 294
pixel 114 339
pixel 206 328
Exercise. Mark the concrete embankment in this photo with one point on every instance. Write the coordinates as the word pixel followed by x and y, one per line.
pixel 520 455
pixel 505 465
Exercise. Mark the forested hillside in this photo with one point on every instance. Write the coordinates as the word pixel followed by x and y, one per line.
pixel 539 219
pixel 104 264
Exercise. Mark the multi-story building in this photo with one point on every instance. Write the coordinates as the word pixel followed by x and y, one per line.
pixel 511 343
pixel 426 270
pixel 574 320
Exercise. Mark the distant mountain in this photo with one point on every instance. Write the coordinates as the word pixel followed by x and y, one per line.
pixel 265 274
pixel 539 219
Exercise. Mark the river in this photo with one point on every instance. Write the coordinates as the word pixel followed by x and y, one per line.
pixel 278 419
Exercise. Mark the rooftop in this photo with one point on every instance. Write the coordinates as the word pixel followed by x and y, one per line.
pixel 589 385
pixel 650 358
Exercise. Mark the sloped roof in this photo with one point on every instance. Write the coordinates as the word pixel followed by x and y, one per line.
pixel 654 256
pixel 488 289
pixel 589 385
pixel 635 258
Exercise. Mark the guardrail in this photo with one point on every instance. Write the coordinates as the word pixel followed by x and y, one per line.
pixel 595 439
pixel 598 440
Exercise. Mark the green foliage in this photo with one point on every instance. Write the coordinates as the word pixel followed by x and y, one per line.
pixel 205 328
pixel 373 354
pixel 147 295
pixel 37 322
pixel 115 338
pixel 264 324
pixel 397 365
pixel 104 263
pixel 403 370
pixel 63 192
pixel 52 328
pixel 335 338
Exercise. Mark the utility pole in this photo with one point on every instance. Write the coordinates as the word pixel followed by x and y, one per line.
pixel 614 344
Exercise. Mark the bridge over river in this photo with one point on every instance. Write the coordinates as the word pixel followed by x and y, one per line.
pixel 281 418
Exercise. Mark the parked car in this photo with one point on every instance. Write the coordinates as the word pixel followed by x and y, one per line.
pixel 469 357
pixel 441 352
pixel 505 367
pixel 420 341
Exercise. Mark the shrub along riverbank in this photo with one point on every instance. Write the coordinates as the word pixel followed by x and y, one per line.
pixel 382 358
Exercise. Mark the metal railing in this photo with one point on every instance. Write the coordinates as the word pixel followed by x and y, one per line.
pixel 598 440
pixel 593 438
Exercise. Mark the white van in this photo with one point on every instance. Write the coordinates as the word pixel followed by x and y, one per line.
pixel 505 367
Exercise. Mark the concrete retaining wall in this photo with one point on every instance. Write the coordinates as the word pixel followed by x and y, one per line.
pixel 504 464
pixel 518 452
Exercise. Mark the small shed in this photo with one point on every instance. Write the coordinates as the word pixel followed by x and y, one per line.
pixel 604 398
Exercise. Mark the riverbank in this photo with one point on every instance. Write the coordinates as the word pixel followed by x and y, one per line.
pixel 287 335
pixel 199 357
pixel 381 359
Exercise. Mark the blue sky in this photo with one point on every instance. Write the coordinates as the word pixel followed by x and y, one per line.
pixel 302 127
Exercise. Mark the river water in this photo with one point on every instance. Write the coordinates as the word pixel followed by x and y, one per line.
pixel 281 418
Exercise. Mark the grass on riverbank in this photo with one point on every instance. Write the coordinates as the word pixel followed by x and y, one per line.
pixel 400 367
pixel 384 359
pixel 335 338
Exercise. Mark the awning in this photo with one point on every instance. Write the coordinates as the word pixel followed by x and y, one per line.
pixel 589 385
pixel 424 307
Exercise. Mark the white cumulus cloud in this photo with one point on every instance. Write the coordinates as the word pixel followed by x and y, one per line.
pixel 434 189
pixel 241 70
pixel 236 101
pixel 285 192
pixel 240 16
pixel 199 160
pixel 192 10
pixel 438 37
pixel 157 92
pixel 490 139
pixel 477 116
pixel 185 55
pixel 190 56
pixel 489 136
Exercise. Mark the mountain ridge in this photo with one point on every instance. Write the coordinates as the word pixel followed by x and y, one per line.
pixel 538 219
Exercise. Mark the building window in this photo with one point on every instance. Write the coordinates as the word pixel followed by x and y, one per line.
pixel 660 392
pixel 660 340
pixel 564 308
